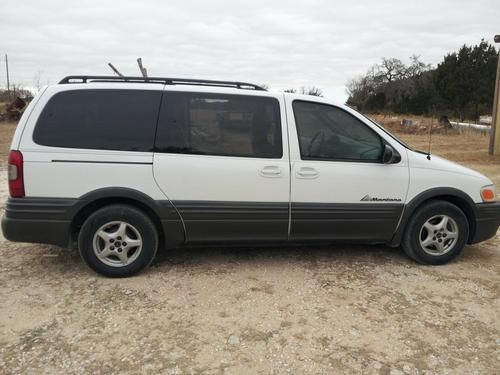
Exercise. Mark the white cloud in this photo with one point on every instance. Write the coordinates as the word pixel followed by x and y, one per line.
pixel 281 43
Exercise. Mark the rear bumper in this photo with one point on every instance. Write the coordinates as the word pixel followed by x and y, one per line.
pixel 487 221
pixel 52 232
pixel 38 220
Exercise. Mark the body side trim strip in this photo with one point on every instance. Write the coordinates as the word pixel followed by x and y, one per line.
pixel 100 162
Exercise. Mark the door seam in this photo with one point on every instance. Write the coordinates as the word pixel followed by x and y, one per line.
pixel 289 170
pixel 153 165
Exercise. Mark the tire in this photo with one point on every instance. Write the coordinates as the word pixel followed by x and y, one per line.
pixel 436 233
pixel 118 241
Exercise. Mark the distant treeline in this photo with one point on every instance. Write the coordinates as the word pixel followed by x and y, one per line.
pixel 461 86
pixel 15 92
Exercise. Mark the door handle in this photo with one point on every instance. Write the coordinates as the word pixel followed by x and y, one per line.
pixel 307 172
pixel 270 171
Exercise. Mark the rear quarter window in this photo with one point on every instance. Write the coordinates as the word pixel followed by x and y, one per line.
pixel 100 119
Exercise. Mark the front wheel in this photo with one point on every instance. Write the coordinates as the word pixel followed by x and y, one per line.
pixel 118 241
pixel 436 233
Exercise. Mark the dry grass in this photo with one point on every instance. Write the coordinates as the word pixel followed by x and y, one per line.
pixel 464 146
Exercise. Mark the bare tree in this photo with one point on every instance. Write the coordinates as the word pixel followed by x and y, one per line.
pixel 387 84
pixel 312 90
pixel 359 88
pixel 416 67
pixel 16 90
pixel 391 69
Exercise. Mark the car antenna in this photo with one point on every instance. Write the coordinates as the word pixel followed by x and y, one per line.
pixel 430 139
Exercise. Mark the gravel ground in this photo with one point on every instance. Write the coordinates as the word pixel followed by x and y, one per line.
pixel 341 309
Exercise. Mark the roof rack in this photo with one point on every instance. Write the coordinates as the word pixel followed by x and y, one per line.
pixel 161 80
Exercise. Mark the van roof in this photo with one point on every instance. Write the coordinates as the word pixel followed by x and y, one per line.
pixel 162 80
pixel 187 84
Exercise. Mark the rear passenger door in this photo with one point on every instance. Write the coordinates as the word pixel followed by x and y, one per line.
pixel 222 159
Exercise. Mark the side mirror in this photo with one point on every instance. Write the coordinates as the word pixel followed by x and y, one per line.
pixel 390 156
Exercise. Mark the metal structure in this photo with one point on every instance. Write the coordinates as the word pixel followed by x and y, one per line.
pixel 143 70
pixel 161 80
pixel 495 124
pixel 115 70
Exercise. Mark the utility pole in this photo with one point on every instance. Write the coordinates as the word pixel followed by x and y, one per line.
pixel 8 78
pixel 495 124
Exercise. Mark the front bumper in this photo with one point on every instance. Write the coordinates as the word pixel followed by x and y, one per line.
pixel 487 221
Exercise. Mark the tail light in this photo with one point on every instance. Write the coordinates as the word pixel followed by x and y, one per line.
pixel 16 178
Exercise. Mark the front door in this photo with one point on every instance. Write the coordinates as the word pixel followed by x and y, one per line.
pixel 340 189
pixel 222 159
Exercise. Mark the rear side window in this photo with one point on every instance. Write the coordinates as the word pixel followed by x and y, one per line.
pixel 224 125
pixel 100 119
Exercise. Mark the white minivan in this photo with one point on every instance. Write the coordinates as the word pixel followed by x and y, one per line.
pixel 119 166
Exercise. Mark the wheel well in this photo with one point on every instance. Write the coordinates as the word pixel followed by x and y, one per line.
pixel 87 210
pixel 460 203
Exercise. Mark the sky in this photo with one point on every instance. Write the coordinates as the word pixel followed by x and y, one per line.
pixel 284 44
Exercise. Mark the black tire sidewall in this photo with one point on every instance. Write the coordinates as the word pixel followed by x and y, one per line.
pixel 129 215
pixel 412 243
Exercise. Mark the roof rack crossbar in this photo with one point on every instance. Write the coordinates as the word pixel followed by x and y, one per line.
pixel 161 80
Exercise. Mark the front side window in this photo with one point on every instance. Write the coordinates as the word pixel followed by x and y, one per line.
pixel 100 119
pixel 224 125
pixel 330 133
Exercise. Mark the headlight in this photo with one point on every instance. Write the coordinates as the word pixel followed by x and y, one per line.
pixel 488 193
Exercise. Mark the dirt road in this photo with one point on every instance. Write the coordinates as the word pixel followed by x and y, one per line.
pixel 343 309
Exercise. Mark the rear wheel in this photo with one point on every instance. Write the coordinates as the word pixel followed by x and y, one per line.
pixel 118 241
pixel 436 234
